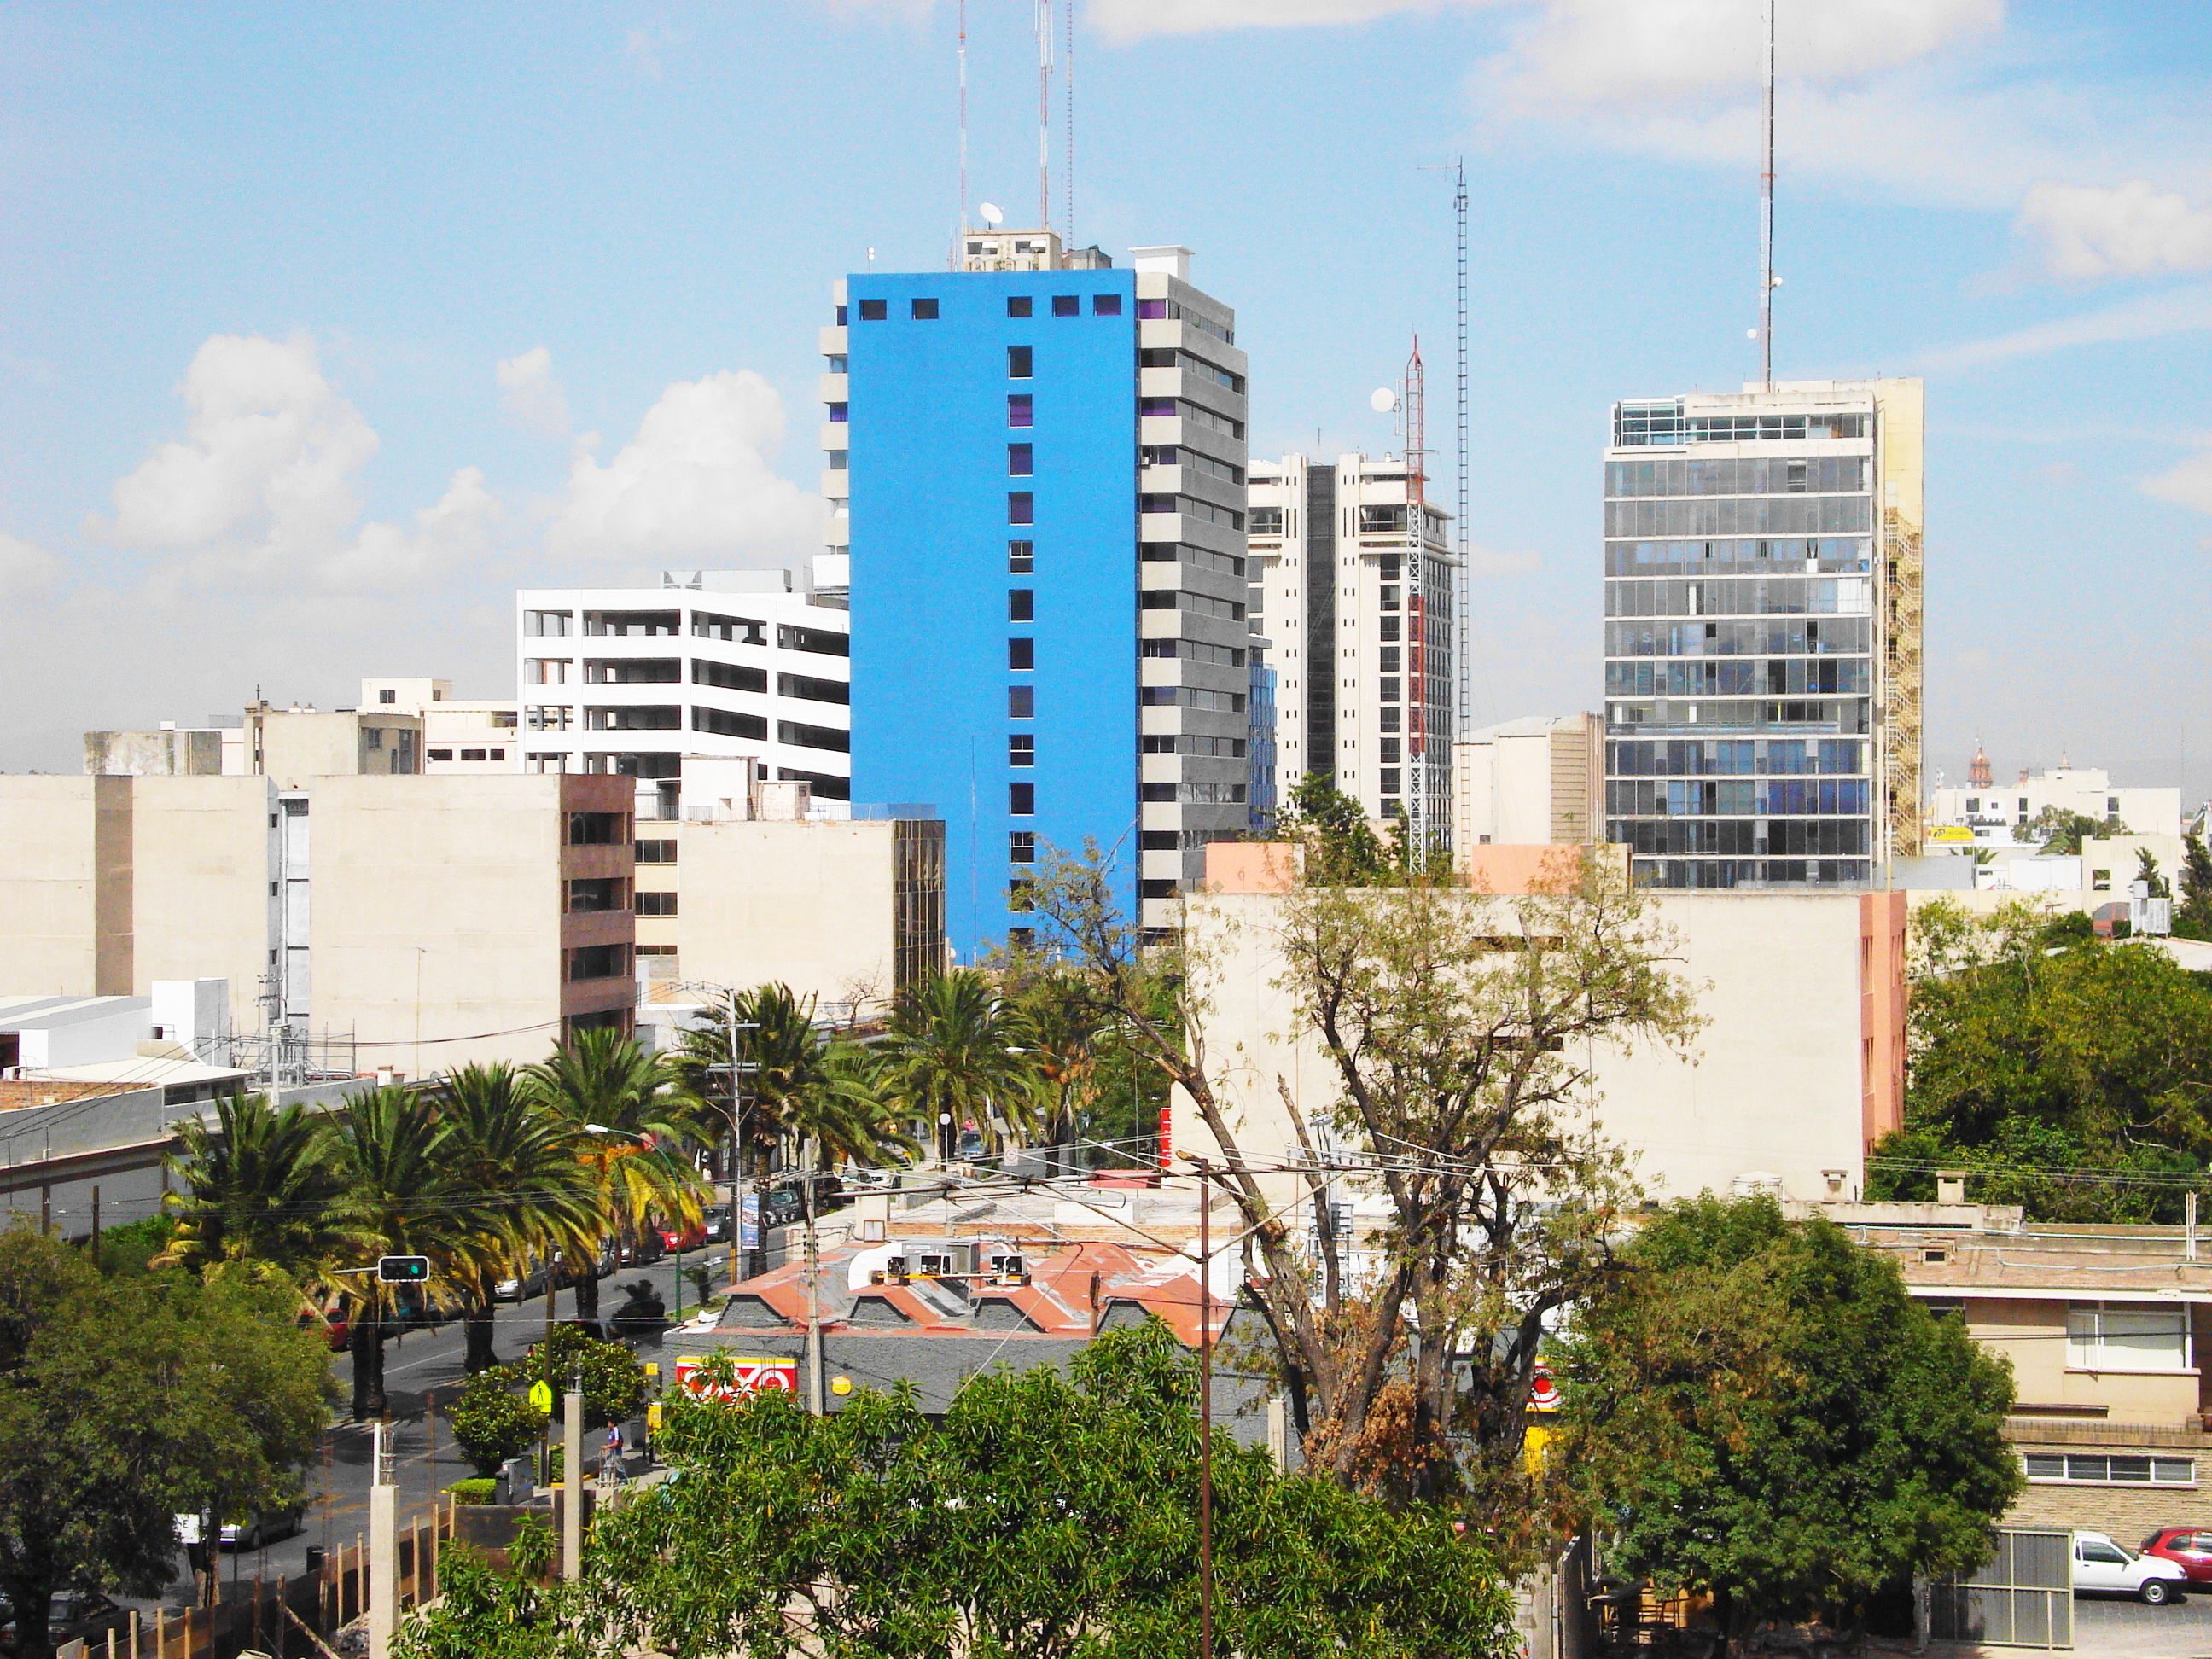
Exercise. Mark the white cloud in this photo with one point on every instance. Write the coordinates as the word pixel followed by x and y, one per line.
pixel 261 486
pixel 696 482
pixel 2133 229
pixel 2189 484
pixel 24 565
pixel 1600 52
pixel 2179 311
pixel 533 396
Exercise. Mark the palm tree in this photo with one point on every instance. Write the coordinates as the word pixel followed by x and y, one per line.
pixel 631 1128
pixel 956 1051
pixel 400 1196
pixel 1062 1030
pixel 259 1185
pixel 517 1163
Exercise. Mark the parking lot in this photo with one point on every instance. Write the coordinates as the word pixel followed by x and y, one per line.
pixel 2129 1630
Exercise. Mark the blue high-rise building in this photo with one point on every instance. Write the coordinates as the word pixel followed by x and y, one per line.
pixel 1038 462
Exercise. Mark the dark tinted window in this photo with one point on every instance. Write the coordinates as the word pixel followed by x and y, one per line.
pixel 871 310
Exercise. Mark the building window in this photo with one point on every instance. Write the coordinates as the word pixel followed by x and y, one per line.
pixel 440 754
pixel 472 754
pixel 1021 507
pixel 729 677
pixel 722 723
pixel 837 460
pixel 1266 520
pixel 598 962
pixel 2100 1469
pixel 1021 846
pixel 1021 702
pixel 1018 363
pixel 656 904
pixel 656 851
pixel 1021 605
pixel 823 642
pixel 1021 653
pixel 387 696
pixel 547 624
pixel 801 735
pixel 872 310
pixel 497 754
pixel 1021 750
pixel 1390 687
pixel 2126 1336
pixel 1021 939
pixel 1021 408
pixel 732 630
pixel 809 689
pixel 596 828
pixel 1021 799
pixel 1017 305
pixel 1105 305
pixel 924 311
pixel 596 893
pixel 1021 460
pixel 1021 557
pixel 1388 784
pixel 840 412
pixel 1066 304
pixel 1152 310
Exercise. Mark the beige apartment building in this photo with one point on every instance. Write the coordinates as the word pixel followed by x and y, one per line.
pixel 405 921
pixel 1534 782
pixel 1799 1067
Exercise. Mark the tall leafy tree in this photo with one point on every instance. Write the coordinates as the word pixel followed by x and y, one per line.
pixel 1764 1415
pixel 2192 916
pixel 401 1195
pixel 258 1191
pixel 124 1402
pixel 1045 1517
pixel 525 1194
pixel 634 1129
pixel 2063 830
pixel 957 1051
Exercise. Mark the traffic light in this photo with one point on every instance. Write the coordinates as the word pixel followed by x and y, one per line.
pixel 402 1269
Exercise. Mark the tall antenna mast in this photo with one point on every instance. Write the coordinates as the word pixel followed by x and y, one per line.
pixel 1044 113
pixel 1067 149
pixel 961 226
pixel 1462 620
pixel 1766 225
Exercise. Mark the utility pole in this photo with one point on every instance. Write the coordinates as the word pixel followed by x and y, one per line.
pixel 740 1258
pixel 95 1226
pixel 817 1400
pixel 572 1483
pixel 1205 1409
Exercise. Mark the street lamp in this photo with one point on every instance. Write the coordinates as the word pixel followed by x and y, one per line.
pixel 740 1257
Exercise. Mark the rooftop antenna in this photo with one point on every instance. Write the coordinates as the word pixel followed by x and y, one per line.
pixel 963 226
pixel 1766 226
pixel 1044 113
pixel 1067 148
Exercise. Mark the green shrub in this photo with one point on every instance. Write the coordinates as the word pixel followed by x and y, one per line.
pixel 492 1422
pixel 476 1491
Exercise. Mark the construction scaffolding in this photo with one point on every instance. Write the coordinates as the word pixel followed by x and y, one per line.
pixel 1902 577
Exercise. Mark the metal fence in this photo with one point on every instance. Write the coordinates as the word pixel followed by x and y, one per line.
pixel 2021 1597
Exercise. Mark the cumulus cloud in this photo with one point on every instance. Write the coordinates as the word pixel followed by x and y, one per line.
pixel 262 484
pixel 2134 229
pixel 696 482
pixel 531 395
pixel 2189 484
pixel 24 565
pixel 2179 311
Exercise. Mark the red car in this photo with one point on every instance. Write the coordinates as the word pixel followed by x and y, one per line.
pixel 685 1238
pixel 337 1328
pixel 2189 1548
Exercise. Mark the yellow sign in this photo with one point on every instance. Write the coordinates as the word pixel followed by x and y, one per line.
pixel 1952 835
pixel 841 1385
pixel 652 1416
pixel 541 1397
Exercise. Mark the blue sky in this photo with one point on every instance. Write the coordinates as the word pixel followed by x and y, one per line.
pixel 322 327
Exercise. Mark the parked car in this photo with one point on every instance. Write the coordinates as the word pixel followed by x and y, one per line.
pixel 2102 1567
pixel 683 1238
pixel 266 1525
pixel 522 1285
pixel 72 1615
pixel 2189 1548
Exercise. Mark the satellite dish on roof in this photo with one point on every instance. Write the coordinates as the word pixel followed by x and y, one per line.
pixel 1382 400
pixel 991 214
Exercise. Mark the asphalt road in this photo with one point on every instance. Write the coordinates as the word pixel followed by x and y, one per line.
pixel 2116 1629
pixel 422 1376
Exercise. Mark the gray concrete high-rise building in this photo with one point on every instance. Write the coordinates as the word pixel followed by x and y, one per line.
pixel 1763 634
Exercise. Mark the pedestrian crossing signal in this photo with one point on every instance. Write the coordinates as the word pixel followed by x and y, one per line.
pixel 402 1269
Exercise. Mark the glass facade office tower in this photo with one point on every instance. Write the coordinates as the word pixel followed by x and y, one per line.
pixel 1763 629
pixel 1037 462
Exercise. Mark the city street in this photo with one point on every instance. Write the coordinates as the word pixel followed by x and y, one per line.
pixel 422 1374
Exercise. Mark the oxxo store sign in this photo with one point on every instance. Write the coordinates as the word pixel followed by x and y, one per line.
pixel 747 1377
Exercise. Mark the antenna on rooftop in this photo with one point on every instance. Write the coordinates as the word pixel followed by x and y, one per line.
pixel 1067 149
pixel 961 225
pixel 1766 226
pixel 1044 113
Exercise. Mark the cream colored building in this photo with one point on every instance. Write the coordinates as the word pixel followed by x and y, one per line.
pixel 1799 1067
pixel 1994 813
pixel 454 919
pixel 461 738
pixel 293 745
pixel 1539 780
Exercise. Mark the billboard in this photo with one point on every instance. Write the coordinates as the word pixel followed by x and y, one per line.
pixel 750 1377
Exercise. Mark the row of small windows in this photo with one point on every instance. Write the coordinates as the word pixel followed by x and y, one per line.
pixel 1195 795
pixel 1173 455
pixel 1821 475
pixel 1183 553
pixel 705 624
pixel 1642 424
pixel 1735 757
pixel 1769 798
pixel 926 309
pixel 1191 507
pixel 1226 656
pixel 1848 716
pixel 1773 677
pixel 1748 873
pixel 1187 744
pixel 1770 596
pixel 467 754
pixel 1805 837
pixel 1198 604
pixel 1169 357
pixel 1743 515
pixel 1197 414
pixel 1840 554
pixel 1840 636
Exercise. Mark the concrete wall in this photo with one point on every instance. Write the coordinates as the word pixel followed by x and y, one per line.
pixel 1774 1082
pixel 1529 781
pixel 810 905
pixel 64 885
pixel 201 849
pixel 437 928
pixel 295 747
pixel 168 753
